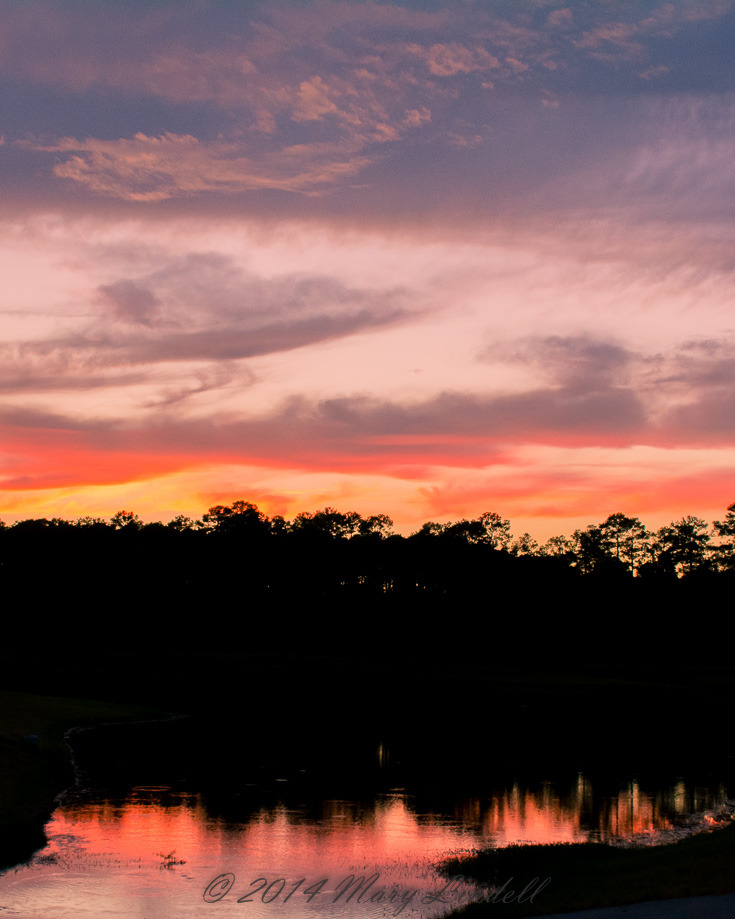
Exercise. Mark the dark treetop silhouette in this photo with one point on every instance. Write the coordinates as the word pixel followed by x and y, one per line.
pixel 332 580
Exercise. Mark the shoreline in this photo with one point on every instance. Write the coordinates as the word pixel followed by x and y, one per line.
pixel 37 766
pixel 45 771
pixel 704 907
pixel 597 876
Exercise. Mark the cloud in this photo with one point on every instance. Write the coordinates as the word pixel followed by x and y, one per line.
pixel 367 434
pixel 233 343
pixel 585 197
pixel 313 101
pixel 198 307
pixel 560 17
pixel 306 98
pixel 647 159
pixel 651 73
pixel 149 169
pixel 615 38
pixel 284 121
pixel 210 380
pixel 444 60
pixel 589 487
pixel 681 395
pixel 130 301
pixel 700 364
pixel 207 53
pixel 598 396
pixel 708 420
pixel 415 117
pixel 700 375
pixel 687 154
pixel 39 369
pixel 576 362
pixel 609 412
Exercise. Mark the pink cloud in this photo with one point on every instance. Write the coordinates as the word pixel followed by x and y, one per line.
pixel 445 60
pixel 516 65
pixel 560 17
pixel 415 117
pixel 610 40
pixel 149 169
pixel 652 72
pixel 313 101
pixel 295 153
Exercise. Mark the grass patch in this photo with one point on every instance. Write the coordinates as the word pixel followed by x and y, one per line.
pixel 593 875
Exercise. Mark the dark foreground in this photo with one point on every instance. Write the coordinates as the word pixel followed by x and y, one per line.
pixel 721 907
pixel 447 718
pixel 588 875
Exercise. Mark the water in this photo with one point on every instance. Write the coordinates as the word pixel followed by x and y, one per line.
pixel 368 773
pixel 169 852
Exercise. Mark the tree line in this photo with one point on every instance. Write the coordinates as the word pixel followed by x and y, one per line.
pixel 342 584
pixel 618 545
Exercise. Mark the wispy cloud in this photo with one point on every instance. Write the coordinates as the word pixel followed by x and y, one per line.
pixel 152 169
pixel 304 103
pixel 446 251
pixel 201 307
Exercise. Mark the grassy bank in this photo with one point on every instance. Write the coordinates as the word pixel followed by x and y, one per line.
pixel 589 875
pixel 34 762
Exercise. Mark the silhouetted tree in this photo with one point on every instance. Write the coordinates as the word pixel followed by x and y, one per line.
pixel 726 528
pixel 472 532
pixel 683 544
pixel 725 531
pixel 328 522
pixel 241 519
pixel 126 520
pixel 624 538
pixel 87 523
pixel 589 548
pixel 181 523
pixel 430 529
pixel 559 547
pixel 497 530
pixel 378 525
pixel 524 545
pixel 270 570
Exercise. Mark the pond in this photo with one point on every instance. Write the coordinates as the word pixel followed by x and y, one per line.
pixel 301 774
pixel 287 848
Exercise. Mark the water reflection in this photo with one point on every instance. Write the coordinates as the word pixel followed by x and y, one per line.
pixel 153 852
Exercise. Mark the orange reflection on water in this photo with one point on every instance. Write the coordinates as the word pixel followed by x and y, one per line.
pixel 522 816
pixel 387 829
pixel 134 830
pixel 634 815
pixel 277 837
pixel 103 856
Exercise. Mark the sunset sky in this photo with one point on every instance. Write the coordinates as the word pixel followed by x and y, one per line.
pixel 426 259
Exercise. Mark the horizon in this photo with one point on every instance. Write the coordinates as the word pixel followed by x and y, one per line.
pixel 515 532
